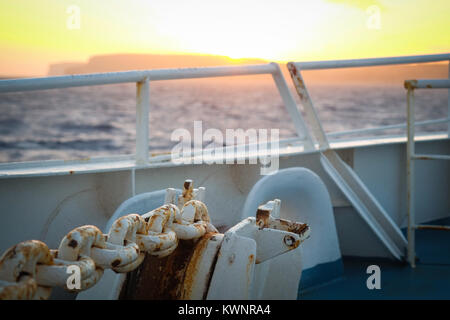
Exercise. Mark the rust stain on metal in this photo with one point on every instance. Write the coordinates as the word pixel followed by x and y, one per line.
pixel 167 278
pixel 188 190
pixel 115 263
pixel 262 218
pixel 294 227
pixel 73 243
pixel 410 84
pixel 153 154
pixel 29 250
pixel 291 242
pixel 249 268
pixel 299 86
pixel 231 258
pixel 193 266
pixel 292 68
pixel 433 227
pixel 300 82
pixel 70 249
pixel 251 259
pixel 201 211
pixel 23 286
pixel 138 92
pixel 423 158
pixel 26 289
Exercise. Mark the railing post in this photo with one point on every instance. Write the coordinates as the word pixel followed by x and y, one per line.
pixel 142 119
pixel 310 112
pixel 291 107
pixel 410 176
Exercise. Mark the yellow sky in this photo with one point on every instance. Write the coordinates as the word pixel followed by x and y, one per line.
pixel 34 33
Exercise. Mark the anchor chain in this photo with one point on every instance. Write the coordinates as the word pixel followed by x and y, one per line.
pixel 30 269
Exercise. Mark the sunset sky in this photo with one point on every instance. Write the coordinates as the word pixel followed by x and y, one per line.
pixel 34 33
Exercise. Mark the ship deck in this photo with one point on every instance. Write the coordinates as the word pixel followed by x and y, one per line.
pixel 430 279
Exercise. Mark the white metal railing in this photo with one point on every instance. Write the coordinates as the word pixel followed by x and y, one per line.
pixel 411 156
pixel 143 79
pixel 382 128
pixel 359 195
pixel 355 63
pixel 333 64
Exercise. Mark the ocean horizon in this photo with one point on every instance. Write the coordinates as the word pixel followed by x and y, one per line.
pixel 76 123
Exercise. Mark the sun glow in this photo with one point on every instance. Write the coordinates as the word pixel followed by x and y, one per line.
pixel 246 31
pixel 34 33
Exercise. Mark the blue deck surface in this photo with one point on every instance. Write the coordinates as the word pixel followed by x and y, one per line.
pixel 429 280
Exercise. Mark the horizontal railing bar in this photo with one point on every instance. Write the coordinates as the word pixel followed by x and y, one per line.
pixel 433 227
pixel 14 85
pixel 428 84
pixel 430 157
pixel 392 126
pixel 354 63
pixel 294 142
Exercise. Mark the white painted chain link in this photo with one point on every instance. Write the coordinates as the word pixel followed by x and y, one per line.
pixel 30 269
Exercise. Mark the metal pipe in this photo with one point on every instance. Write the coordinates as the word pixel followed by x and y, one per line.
pixel 410 177
pixel 410 85
pixel 131 76
pixel 428 84
pixel 310 112
pixel 392 126
pixel 353 63
pixel 433 227
pixel 291 106
pixel 142 119
pixel 430 157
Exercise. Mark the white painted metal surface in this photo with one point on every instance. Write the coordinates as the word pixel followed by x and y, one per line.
pixel 304 197
pixel 349 183
pixel 381 128
pixel 142 120
pixel 132 76
pixel 358 194
pixel 428 84
pixel 365 203
pixel 252 242
pixel 353 63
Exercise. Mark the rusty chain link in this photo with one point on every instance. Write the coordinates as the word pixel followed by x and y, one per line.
pixel 30 269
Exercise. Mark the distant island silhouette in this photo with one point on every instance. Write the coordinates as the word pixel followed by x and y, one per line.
pixel 126 62
pixel 368 75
